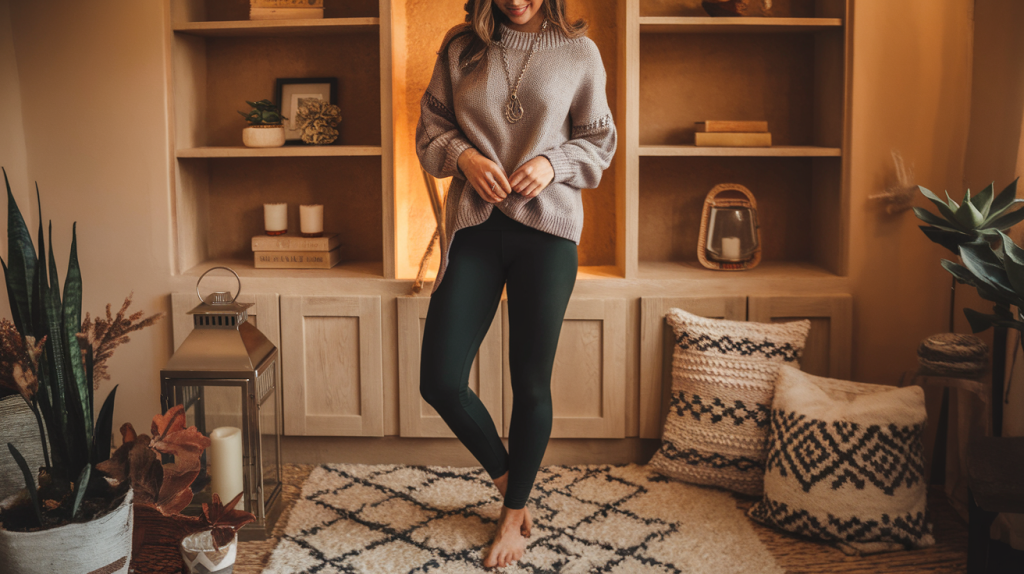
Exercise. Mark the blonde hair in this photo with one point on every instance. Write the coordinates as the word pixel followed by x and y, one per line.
pixel 482 17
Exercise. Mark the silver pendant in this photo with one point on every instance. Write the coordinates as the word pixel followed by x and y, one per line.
pixel 513 110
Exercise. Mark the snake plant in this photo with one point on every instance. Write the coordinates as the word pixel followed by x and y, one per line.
pixel 981 217
pixel 63 400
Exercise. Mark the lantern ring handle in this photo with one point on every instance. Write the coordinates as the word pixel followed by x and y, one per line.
pixel 237 278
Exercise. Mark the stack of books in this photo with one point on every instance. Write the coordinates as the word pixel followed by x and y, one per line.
pixel 285 9
pixel 296 252
pixel 733 134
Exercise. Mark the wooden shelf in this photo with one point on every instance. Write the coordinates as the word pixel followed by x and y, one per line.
pixel 245 268
pixel 285 151
pixel 766 272
pixel 279 27
pixel 774 151
pixel 677 25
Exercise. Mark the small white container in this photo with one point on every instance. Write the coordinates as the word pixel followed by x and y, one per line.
pixel 201 556
pixel 263 136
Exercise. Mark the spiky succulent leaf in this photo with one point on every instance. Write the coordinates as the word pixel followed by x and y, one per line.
pixel 104 426
pixel 989 275
pixel 951 240
pixel 952 204
pixel 1005 198
pixel 80 487
pixel 20 271
pixel 980 321
pixel 30 481
pixel 942 206
pixel 1008 220
pixel 968 216
pixel 983 201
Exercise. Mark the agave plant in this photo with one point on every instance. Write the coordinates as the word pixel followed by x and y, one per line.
pixel 998 275
pixel 981 217
pixel 263 112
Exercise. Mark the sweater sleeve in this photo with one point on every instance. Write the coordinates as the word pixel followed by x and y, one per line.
pixel 582 159
pixel 439 139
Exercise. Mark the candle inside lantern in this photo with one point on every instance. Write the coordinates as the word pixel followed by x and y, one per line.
pixel 311 220
pixel 275 218
pixel 225 461
pixel 731 248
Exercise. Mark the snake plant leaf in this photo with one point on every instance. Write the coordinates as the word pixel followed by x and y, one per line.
pixel 1005 198
pixel 968 216
pixel 30 482
pixel 72 316
pixel 943 207
pixel 951 240
pixel 983 201
pixel 20 272
pixel 80 487
pixel 104 426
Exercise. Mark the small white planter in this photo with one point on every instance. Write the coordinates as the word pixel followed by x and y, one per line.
pixel 201 557
pixel 263 136
pixel 104 545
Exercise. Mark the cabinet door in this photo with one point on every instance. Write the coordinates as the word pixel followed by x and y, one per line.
pixel 331 349
pixel 222 407
pixel 588 382
pixel 418 419
pixel 827 352
pixel 656 342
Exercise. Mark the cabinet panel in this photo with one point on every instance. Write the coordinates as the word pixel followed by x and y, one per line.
pixel 419 419
pixel 656 343
pixel 221 406
pixel 588 381
pixel 331 350
pixel 827 352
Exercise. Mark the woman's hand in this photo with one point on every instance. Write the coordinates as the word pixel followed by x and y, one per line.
pixel 487 178
pixel 532 177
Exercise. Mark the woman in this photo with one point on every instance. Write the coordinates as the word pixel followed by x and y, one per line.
pixel 516 111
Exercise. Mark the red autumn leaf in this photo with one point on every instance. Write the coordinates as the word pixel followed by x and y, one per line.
pixel 116 466
pixel 187 446
pixel 171 421
pixel 225 521
pixel 145 471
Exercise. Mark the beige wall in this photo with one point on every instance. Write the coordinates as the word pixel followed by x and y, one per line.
pixel 93 104
pixel 911 92
pixel 92 87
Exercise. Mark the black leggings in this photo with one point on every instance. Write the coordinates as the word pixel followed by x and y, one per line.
pixel 539 270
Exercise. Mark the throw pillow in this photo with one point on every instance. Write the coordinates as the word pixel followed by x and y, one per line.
pixel 846 464
pixel 723 375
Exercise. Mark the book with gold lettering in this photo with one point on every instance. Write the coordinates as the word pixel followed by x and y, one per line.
pixel 297 259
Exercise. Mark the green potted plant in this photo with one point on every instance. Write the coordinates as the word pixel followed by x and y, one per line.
pixel 265 128
pixel 51 362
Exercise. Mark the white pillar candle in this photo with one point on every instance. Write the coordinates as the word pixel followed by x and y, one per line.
pixel 225 462
pixel 275 218
pixel 311 219
pixel 731 248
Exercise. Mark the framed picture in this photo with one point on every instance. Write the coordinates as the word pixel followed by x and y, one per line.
pixel 292 92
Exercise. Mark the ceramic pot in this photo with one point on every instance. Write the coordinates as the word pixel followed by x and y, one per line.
pixel 263 136
pixel 201 557
pixel 100 545
pixel 19 427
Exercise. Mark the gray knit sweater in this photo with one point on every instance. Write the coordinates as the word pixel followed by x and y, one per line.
pixel 566 119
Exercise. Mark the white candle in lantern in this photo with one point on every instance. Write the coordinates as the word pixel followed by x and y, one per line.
pixel 275 218
pixel 311 219
pixel 225 462
pixel 731 248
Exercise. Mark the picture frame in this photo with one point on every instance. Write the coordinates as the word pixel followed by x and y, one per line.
pixel 291 92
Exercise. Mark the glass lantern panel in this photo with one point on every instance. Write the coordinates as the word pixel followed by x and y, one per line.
pixel 269 445
pixel 208 407
pixel 732 234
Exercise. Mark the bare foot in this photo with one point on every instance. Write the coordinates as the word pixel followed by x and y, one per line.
pixel 509 544
pixel 502 483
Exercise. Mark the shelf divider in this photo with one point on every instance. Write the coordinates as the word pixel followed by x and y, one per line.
pixel 690 25
pixel 285 151
pixel 279 27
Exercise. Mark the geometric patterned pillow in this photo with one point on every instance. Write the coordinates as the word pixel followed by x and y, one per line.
pixel 723 375
pixel 846 464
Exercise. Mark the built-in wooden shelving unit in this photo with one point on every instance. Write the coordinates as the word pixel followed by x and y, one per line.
pixel 278 27
pixel 286 151
pixel 695 25
pixel 774 151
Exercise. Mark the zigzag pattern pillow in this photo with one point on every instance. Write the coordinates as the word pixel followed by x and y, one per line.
pixel 723 375
pixel 846 464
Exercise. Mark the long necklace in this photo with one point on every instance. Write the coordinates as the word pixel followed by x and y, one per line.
pixel 514 107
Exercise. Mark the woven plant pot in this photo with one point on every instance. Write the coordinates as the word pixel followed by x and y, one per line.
pixel 19 427
pixel 100 545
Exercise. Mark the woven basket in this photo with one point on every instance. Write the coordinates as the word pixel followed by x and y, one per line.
pixel 712 200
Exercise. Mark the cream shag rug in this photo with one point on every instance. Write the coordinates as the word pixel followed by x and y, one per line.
pixel 618 519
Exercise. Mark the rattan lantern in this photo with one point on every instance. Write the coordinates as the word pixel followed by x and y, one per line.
pixel 730 236
pixel 225 374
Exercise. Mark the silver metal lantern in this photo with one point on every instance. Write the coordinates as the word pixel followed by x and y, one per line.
pixel 224 374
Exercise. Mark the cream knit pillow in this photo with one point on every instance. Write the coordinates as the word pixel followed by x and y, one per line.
pixel 846 464
pixel 723 375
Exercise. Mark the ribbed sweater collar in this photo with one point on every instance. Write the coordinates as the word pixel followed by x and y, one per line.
pixel 550 38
